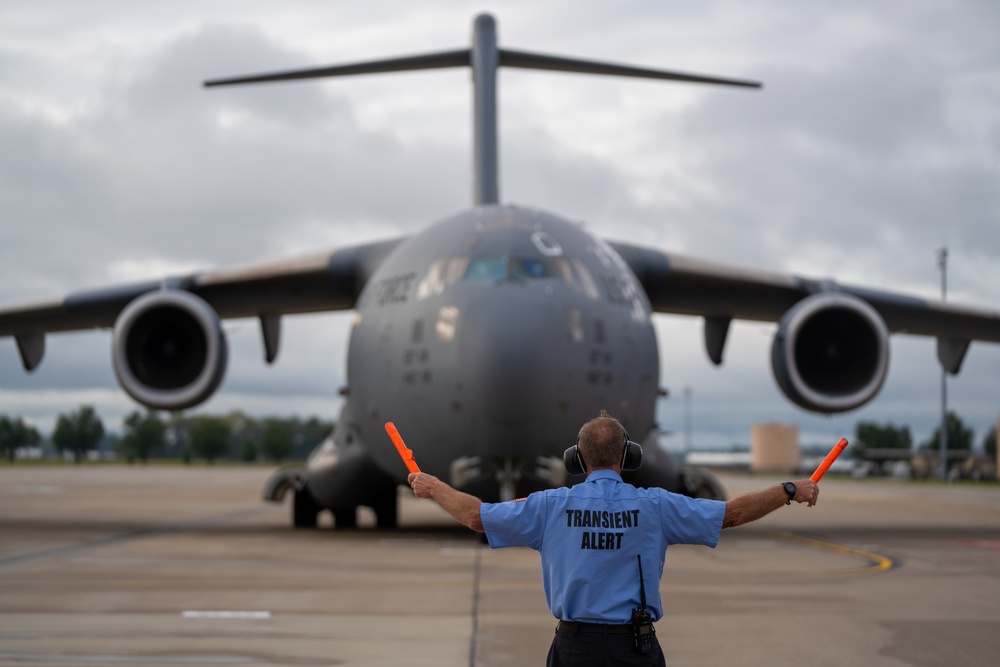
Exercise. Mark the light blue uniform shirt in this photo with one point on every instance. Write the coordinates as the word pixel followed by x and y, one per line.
pixel 589 536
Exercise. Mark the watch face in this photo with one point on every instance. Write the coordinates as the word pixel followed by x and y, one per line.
pixel 790 490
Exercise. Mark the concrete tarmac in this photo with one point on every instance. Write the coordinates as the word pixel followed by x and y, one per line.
pixel 160 565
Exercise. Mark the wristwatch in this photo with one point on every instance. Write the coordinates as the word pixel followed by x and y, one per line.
pixel 790 490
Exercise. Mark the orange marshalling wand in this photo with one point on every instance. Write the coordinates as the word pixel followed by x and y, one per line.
pixel 404 453
pixel 828 461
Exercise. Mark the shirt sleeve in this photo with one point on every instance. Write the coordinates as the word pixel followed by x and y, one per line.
pixel 691 520
pixel 516 523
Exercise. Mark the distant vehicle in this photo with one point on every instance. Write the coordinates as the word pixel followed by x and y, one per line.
pixel 491 336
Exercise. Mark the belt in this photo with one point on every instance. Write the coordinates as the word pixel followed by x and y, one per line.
pixel 597 628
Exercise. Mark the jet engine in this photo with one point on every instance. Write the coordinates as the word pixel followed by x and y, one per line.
pixel 831 353
pixel 169 350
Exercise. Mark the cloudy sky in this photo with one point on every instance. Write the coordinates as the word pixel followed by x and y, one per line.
pixel 875 141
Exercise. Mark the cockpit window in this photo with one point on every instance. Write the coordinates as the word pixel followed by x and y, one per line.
pixel 443 272
pixel 508 268
pixel 448 270
pixel 529 268
pixel 487 268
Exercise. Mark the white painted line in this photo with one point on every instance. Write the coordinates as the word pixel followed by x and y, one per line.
pixel 226 614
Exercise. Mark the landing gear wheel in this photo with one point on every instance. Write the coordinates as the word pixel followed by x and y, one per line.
pixel 700 483
pixel 345 518
pixel 386 509
pixel 304 510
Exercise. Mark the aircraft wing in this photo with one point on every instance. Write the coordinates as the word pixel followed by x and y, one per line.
pixel 688 286
pixel 323 282
pixel 831 351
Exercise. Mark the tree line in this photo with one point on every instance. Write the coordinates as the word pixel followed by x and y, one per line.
pixel 148 435
pixel 237 436
pixel 870 435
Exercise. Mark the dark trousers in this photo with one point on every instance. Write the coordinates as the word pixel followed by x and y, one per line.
pixel 595 649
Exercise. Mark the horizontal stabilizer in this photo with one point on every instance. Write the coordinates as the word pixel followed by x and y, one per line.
pixel 485 58
pixel 526 60
pixel 461 58
pixel 403 64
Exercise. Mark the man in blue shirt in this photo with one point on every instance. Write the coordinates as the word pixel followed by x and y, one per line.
pixel 589 536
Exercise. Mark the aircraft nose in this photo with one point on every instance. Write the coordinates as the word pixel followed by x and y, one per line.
pixel 508 349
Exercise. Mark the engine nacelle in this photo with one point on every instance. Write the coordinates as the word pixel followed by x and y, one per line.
pixel 169 350
pixel 831 353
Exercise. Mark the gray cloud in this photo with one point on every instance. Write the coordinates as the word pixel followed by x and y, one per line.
pixel 874 142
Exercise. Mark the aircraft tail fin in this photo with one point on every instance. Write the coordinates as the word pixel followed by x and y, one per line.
pixel 485 57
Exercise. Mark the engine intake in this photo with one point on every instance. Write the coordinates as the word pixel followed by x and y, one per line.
pixel 831 353
pixel 169 350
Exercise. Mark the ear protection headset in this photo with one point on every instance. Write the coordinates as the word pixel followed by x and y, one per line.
pixel 631 457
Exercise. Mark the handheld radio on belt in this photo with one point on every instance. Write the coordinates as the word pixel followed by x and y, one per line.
pixel 642 622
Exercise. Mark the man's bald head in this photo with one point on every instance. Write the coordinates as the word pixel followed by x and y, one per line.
pixel 601 441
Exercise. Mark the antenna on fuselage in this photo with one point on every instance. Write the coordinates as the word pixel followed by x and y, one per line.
pixel 484 58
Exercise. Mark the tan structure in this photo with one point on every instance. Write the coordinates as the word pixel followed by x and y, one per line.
pixel 774 447
pixel 997 455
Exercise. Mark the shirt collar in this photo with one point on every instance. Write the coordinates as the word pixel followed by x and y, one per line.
pixel 604 473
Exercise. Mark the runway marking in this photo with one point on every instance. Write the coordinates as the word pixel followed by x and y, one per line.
pixel 226 614
pixel 879 563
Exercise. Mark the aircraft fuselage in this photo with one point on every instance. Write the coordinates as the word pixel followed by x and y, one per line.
pixel 489 339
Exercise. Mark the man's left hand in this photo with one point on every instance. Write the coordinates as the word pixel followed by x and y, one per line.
pixel 806 491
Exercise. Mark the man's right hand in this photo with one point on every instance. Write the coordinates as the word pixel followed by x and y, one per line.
pixel 460 505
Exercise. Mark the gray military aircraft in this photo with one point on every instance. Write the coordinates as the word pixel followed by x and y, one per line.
pixel 491 336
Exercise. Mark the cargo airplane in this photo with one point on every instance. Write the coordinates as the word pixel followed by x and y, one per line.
pixel 489 337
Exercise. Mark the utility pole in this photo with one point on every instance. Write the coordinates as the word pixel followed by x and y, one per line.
pixel 942 256
pixel 687 420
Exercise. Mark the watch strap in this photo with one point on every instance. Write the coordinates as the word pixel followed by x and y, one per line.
pixel 789 489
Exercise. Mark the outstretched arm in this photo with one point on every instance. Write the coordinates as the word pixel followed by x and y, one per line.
pixel 753 506
pixel 462 506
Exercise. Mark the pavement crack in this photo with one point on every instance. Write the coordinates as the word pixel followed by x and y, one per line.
pixel 128 536
pixel 477 571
